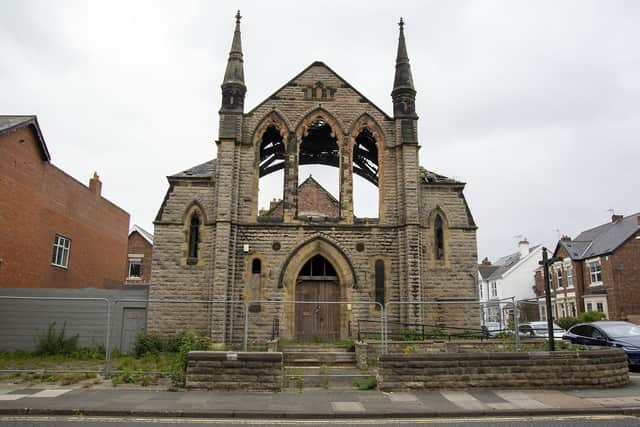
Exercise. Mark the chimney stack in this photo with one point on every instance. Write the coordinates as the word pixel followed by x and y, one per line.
pixel 95 185
pixel 565 238
pixel 616 218
pixel 486 261
pixel 523 246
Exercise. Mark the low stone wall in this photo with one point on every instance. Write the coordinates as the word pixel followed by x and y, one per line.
pixel 223 370
pixel 601 368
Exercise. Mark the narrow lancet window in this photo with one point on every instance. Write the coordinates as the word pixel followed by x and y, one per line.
pixel 439 238
pixel 379 285
pixel 194 236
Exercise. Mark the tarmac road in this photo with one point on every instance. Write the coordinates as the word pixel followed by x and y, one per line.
pixel 566 421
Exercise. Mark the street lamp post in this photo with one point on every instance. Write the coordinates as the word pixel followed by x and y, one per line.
pixel 547 296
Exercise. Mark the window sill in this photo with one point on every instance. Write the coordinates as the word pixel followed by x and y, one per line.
pixel 62 267
pixel 192 261
pixel 596 284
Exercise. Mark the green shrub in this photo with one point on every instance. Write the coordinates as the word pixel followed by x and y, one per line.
pixel 591 316
pixel 368 383
pixel 410 334
pixel 53 342
pixel 155 344
pixel 189 341
pixel 567 322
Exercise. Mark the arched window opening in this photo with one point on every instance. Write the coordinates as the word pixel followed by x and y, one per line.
pixel 365 175
pixel 318 266
pixel 255 285
pixel 271 173
pixel 379 282
pixel 256 266
pixel 194 238
pixel 318 184
pixel 439 238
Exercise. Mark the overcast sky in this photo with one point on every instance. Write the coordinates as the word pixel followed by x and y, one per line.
pixel 536 105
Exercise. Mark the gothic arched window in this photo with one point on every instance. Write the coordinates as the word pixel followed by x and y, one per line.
pixel 194 237
pixel 439 237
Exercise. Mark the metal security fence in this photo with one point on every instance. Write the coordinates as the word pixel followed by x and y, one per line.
pixel 348 305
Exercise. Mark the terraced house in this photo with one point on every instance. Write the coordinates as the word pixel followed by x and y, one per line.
pixel 213 242
pixel 599 270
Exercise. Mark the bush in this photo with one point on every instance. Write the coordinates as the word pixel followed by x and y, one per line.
pixel 155 344
pixel 189 341
pixel 591 316
pixel 567 322
pixel 53 342
pixel 366 384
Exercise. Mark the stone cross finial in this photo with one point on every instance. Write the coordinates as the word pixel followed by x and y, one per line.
pixel 238 17
pixel 401 23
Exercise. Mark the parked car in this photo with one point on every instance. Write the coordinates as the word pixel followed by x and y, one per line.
pixel 610 334
pixel 539 330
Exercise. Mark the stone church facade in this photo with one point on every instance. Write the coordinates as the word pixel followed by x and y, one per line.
pixel 213 243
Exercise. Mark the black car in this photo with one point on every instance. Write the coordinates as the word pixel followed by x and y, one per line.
pixel 608 333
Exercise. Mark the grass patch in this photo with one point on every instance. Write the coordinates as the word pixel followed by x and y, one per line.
pixel 368 383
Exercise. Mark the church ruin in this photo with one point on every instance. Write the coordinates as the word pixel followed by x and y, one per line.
pixel 212 242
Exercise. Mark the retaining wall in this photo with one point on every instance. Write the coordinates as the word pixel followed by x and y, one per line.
pixel 245 371
pixel 601 368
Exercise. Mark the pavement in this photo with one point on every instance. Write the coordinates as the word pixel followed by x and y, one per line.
pixel 317 403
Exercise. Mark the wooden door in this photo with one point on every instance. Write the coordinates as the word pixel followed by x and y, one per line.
pixel 317 321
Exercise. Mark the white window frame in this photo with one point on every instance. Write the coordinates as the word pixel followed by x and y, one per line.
pixel 132 261
pixel 61 249
pixel 559 278
pixel 569 270
pixel 594 305
pixel 494 289
pixel 597 273
pixel 543 312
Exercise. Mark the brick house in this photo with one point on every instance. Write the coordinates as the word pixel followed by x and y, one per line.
pixel 140 251
pixel 599 270
pixel 212 243
pixel 314 201
pixel 54 231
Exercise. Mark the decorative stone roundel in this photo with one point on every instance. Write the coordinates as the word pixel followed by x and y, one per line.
pixel 275 246
pixel 360 247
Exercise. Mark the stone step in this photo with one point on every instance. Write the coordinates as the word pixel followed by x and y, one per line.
pixel 334 377
pixel 304 358
pixel 316 348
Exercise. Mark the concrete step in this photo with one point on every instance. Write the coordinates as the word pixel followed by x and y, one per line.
pixel 328 376
pixel 304 358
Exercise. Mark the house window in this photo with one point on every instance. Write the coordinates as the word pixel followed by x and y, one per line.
pixel 494 289
pixel 60 257
pixel 595 273
pixel 256 266
pixel 439 236
pixel 194 236
pixel 559 278
pixel 589 306
pixel 569 270
pixel 600 307
pixel 563 313
pixel 135 267
pixel 480 291
pixel 573 309
pixel 543 312
pixel 379 271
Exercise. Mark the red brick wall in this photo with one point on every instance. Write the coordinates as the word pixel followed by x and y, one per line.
pixel 140 246
pixel 38 200
pixel 624 270
pixel 315 200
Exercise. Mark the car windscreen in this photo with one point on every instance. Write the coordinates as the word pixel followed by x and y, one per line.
pixel 621 330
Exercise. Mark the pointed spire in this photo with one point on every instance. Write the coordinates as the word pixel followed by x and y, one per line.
pixel 233 87
pixel 403 78
pixel 235 69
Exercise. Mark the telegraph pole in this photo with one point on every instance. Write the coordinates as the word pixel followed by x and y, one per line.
pixel 547 296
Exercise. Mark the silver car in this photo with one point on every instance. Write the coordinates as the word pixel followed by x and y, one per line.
pixel 539 330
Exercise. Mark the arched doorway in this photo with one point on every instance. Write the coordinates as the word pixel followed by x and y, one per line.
pixel 317 281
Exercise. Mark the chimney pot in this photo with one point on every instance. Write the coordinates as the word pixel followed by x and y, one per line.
pixel 616 218
pixel 486 261
pixel 95 185
pixel 565 238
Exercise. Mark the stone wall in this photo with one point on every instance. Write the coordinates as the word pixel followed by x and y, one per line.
pixel 220 370
pixel 549 370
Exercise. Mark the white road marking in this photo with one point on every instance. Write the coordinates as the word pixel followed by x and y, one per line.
pixel 464 400
pixel 347 406
pixel 402 397
pixel 54 392
pixel 521 400
pixel 12 396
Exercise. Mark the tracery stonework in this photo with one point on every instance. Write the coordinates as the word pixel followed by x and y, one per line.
pixel 310 244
